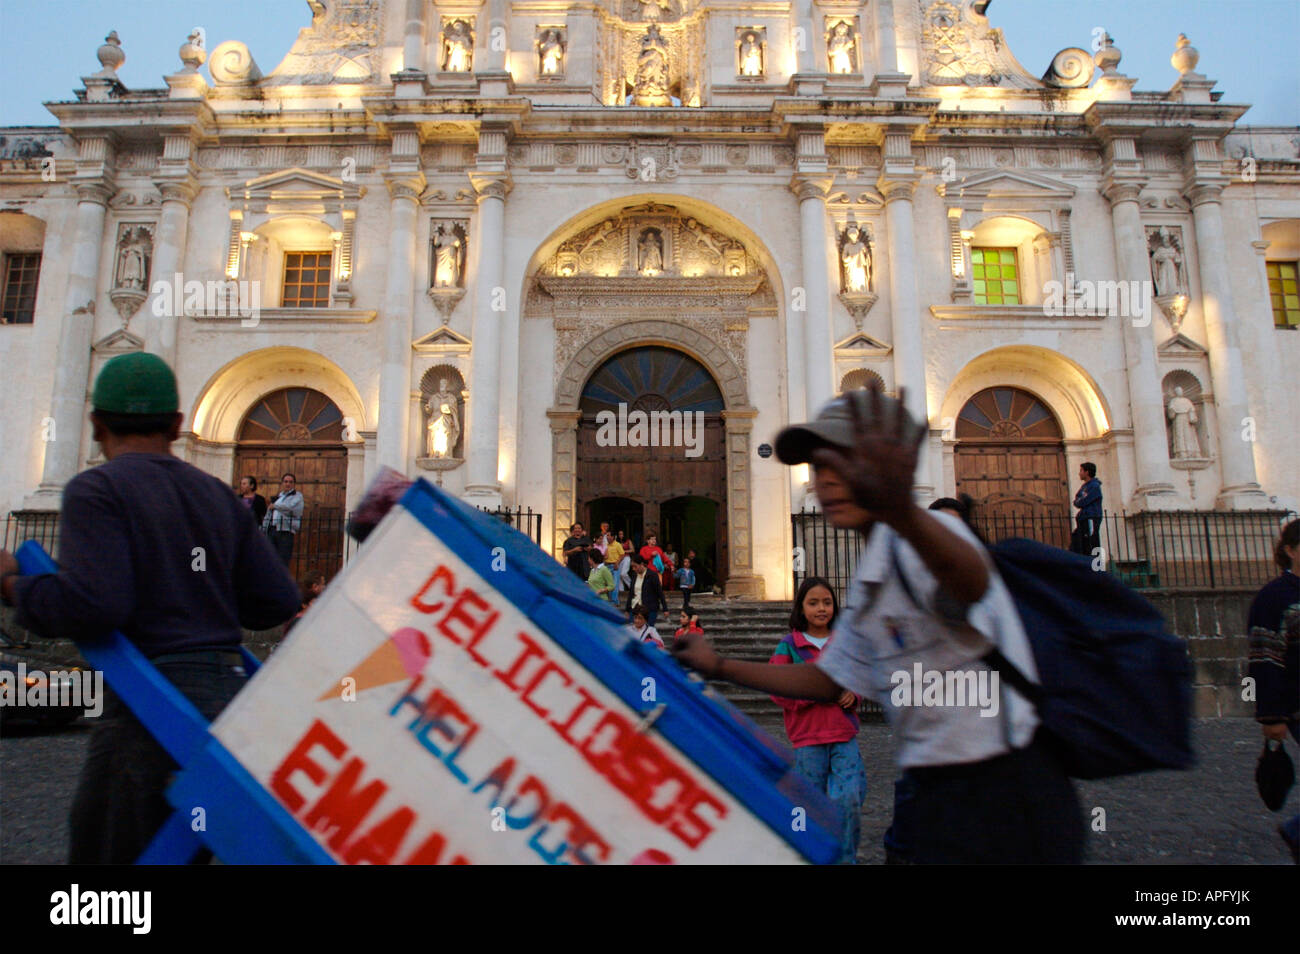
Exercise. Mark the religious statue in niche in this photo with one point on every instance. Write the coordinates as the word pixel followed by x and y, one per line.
pixel 841 53
pixel 652 9
pixel 855 260
pixel 443 428
pixel 457 47
pixel 750 53
pixel 550 53
pixel 135 248
pixel 448 256
pixel 1166 250
pixel 650 86
pixel 1185 444
pixel 650 253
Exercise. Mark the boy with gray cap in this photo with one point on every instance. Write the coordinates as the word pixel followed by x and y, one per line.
pixel 157 549
pixel 980 784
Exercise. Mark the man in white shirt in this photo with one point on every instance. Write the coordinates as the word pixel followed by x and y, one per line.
pixel 284 517
pixel 980 784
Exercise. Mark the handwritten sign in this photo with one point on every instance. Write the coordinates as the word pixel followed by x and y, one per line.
pixel 418 714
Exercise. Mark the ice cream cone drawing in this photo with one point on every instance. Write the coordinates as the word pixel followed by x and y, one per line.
pixel 400 657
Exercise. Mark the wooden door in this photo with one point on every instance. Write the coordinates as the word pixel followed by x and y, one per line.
pixel 299 431
pixel 1011 462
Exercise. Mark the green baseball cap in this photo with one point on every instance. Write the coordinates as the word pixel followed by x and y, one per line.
pixel 834 426
pixel 137 383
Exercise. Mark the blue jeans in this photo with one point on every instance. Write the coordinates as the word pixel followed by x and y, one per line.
pixel 836 769
pixel 618 582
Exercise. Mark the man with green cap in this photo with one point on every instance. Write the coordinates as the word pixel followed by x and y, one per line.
pixel 165 553
pixel 980 784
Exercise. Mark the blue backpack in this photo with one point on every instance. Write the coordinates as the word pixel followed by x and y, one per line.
pixel 1115 687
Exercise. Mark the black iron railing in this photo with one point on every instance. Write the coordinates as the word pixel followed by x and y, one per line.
pixel 1147 550
pixel 527 522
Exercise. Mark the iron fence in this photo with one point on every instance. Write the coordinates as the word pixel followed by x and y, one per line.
pixel 1147 550
pixel 527 522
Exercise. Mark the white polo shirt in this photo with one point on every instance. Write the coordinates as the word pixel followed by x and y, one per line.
pixel 881 633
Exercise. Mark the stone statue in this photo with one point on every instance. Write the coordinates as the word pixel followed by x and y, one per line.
pixel 654 9
pixel 132 267
pixel 839 48
pixel 1182 428
pixel 444 422
pixel 457 47
pixel 751 55
pixel 1166 265
pixel 650 84
pixel 551 53
pixel 652 253
pixel 855 255
pixel 446 258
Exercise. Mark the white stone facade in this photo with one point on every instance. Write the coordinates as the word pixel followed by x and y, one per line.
pixel 361 144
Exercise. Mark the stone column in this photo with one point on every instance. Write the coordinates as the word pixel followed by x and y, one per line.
pixel 741 578
pixel 818 342
pixel 481 484
pixel 399 307
pixel 889 82
pixel 72 373
pixel 413 38
pixel 1155 488
pixel 897 184
pixel 564 472
pixel 1241 490
pixel 168 263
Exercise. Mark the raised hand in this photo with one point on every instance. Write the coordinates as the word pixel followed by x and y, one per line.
pixel 880 465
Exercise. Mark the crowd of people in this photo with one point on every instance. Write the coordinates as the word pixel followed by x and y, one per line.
pixel 629 576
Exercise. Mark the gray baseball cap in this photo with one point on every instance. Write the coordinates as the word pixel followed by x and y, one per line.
pixel 834 426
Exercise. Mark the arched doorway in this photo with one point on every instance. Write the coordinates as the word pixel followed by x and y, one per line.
pixel 300 431
pixel 1010 459
pixel 651 451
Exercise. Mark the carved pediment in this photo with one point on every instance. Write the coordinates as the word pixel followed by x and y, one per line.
pixel 443 340
pixel 296 190
pixel 1006 184
pixel 1180 346
pixel 860 345
pixel 120 341
pixel 652 242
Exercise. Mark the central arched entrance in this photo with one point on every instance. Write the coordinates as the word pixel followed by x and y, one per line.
pixel 652 453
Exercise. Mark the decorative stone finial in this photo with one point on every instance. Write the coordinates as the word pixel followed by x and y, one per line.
pixel 192 52
pixel 110 54
pixel 1185 55
pixel 1107 56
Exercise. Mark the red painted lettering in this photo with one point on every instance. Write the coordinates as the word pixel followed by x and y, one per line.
pixel 547 668
pixel 468 628
pixel 297 761
pixel 441 575
pixel 688 826
pixel 378 845
pixel 588 700
pixel 342 808
pixel 531 649
pixel 430 851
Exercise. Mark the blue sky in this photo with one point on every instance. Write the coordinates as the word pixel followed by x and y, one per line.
pixel 1249 46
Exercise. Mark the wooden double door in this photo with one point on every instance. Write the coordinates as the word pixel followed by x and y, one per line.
pixel 298 431
pixel 1010 459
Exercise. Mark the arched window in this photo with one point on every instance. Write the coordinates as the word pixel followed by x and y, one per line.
pixel 1006 414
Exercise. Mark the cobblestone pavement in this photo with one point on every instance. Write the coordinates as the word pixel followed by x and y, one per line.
pixel 1208 815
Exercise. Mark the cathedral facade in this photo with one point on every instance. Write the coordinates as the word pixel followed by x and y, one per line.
pixel 588 259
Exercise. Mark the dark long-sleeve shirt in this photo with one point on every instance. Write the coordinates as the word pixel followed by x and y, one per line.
pixel 154 547
pixel 1274 624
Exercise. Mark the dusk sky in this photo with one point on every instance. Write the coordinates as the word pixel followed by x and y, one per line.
pixel 1249 46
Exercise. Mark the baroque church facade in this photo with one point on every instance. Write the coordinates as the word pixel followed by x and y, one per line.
pixel 444 237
